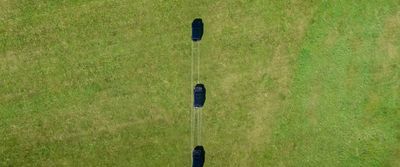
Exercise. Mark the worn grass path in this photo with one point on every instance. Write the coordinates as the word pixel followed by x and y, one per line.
pixel 105 83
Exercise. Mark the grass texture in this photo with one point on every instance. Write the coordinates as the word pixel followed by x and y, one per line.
pixel 289 83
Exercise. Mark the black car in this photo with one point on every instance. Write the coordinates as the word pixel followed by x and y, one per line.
pixel 199 95
pixel 198 156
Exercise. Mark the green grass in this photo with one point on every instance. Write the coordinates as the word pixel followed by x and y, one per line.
pixel 106 83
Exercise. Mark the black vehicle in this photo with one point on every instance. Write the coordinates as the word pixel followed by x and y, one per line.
pixel 197 29
pixel 199 95
pixel 199 155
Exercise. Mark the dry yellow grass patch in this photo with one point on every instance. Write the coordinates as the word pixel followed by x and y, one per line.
pixel 391 34
pixel 331 38
pixel 281 71
pixel 389 49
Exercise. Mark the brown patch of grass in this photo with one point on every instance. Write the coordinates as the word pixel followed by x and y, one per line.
pixel 373 103
pixel 331 38
pixel 351 74
pixel 279 68
pixel 281 71
pixel 391 34
pixel 9 61
pixel 389 49
pixel 229 81
pixel 313 104
pixel 395 158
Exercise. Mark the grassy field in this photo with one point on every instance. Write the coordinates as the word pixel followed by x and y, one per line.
pixel 290 83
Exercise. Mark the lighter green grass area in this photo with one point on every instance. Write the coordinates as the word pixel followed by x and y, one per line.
pixel 107 83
